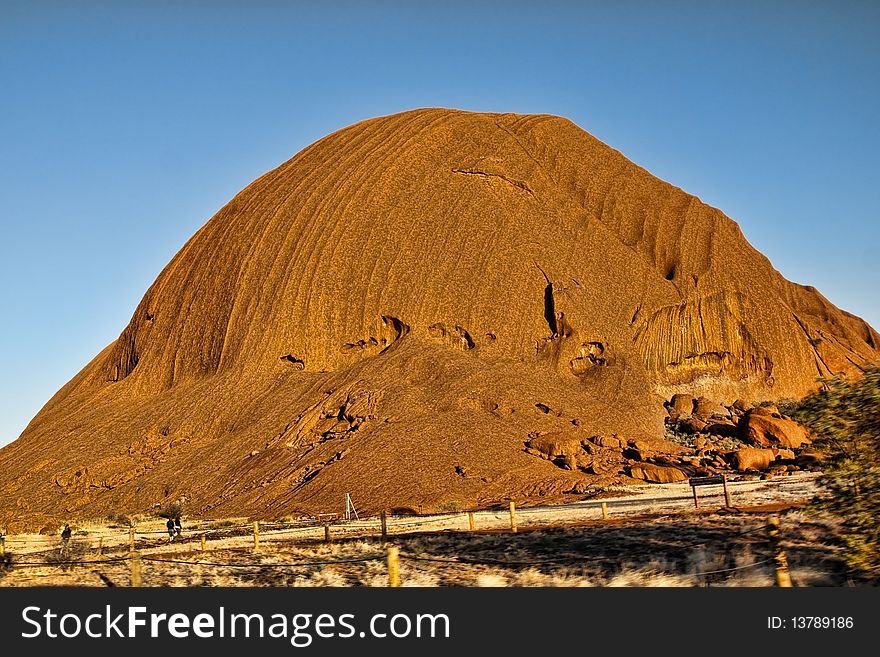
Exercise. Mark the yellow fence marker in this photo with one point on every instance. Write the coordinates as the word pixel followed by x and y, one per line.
pixel 393 566
pixel 134 562
pixel 783 576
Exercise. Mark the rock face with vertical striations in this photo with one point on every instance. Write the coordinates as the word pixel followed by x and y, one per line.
pixel 400 308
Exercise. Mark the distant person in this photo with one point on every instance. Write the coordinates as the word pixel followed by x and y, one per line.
pixel 170 526
pixel 5 559
pixel 177 528
pixel 65 541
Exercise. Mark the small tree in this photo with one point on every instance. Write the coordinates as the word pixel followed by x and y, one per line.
pixel 845 417
pixel 172 510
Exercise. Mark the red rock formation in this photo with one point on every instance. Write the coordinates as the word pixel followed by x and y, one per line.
pixel 412 295
pixel 768 430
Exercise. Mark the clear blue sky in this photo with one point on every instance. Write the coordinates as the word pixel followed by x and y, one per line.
pixel 125 125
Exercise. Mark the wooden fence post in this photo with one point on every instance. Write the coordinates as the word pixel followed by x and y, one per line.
pixel 203 542
pixel 780 562
pixel 472 525
pixel 134 562
pixel 604 511
pixel 393 566
pixel 256 535
pixel 2 544
pixel 326 532
pixel 131 539
pixel 727 502
pixel 100 546
pixel 513 516
pixel 696 504
pixel 384 522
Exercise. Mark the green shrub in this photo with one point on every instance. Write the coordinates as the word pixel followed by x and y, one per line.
pixel 451 506
pixel 75 551
pixel 845 417
pixel 172 510
pixel 119 520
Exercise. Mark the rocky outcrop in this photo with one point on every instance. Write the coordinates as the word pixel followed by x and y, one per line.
pixel 656 473
pixel 418 292
pixel 555 444
pixel 710 409
pixel 766 429
pixel 749 458
pixel 681 405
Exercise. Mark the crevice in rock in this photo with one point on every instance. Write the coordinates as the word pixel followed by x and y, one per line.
pixel 635 315
pixel 549 305
pixel 293 360
pixel 519 184
pixel 813 346
pixel 388 330
pixel 550 310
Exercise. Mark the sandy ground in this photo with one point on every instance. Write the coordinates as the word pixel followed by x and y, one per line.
pixel 658 515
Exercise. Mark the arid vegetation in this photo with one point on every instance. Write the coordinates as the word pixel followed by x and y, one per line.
pixel 644 541
pixel 846 418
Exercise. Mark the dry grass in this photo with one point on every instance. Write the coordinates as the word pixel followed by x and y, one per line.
pixel 689 549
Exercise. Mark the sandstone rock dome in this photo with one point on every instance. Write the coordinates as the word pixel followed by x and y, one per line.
pixel 398 308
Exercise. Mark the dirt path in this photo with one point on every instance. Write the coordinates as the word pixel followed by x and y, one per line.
pixel 653 536
pixel 238 533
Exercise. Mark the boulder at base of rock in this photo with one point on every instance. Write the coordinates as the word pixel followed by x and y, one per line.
pixel 770 411
pixel 556 444
pixel 612 442
pixel 635 454
pixel 656 474
pixel 708 408
pixel 768 430
pixel 750 458
pixel 681 404
pixel 725 428
pixel 692 425
pixel 640 445
pixel 580 487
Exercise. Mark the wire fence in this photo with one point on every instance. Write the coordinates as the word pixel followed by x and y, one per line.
pixel 149 546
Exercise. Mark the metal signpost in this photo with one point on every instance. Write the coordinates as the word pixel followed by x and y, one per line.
pixel 710 481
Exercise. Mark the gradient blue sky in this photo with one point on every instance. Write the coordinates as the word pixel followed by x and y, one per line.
pixel 125 125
